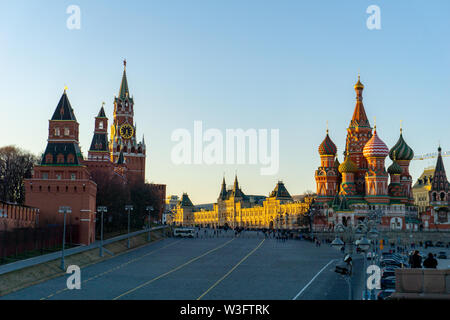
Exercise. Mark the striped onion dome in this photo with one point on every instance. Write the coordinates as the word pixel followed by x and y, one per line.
pixel 348 166
pixel 327 147
pixel 375 147
pixel 395 168
pixel 402 150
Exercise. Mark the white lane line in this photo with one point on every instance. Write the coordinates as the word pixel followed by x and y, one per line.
pixel 305 287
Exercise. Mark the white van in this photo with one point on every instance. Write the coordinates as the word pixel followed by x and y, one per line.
pixel 183 232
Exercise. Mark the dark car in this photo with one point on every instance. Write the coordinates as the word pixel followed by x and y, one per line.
pixel 388 273
pixel 428 244
pixel 388 283
pixel 439 244
pixel 442 255
pixel 383 294
pixel 391 262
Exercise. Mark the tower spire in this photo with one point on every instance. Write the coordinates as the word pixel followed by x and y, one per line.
pixel 359 118
pixel 123 92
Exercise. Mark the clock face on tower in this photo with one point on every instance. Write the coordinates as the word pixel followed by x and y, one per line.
pixel 126 131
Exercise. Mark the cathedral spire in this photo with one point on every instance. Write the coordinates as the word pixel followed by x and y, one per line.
pixel 359 118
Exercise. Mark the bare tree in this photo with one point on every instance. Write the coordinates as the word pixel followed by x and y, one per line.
pixel 16 165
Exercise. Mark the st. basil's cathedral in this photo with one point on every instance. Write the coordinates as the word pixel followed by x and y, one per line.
pixel 360 186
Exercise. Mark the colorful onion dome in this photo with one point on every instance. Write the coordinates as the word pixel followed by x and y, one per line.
pixel 359 85
pixel 348 166
pixel 402 150
pixel 395 168
pixel 327 147
pixel 375 147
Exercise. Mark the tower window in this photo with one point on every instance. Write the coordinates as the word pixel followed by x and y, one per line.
pixel 100 125
pixel 49 158
pixel 66 131
pixel 60 158
pixel 57 133
pixel 45 175
pixel 70 158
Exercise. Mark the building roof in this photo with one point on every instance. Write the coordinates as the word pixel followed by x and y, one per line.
pixel 348 166
pixel 394 168
pixel 99 142
pixel 440 182
pixel 101 113
pixel 402 150
pixel 123 91
pixel 359 118
pixel 327 147
pixel 375 147
pixel 64 110
pixel 65 149
pixel 280 192
pixel 185 201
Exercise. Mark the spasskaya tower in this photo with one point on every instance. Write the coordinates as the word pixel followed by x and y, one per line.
pixel 123 132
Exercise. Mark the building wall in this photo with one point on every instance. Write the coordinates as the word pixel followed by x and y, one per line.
pixel 18 216
pixel 272 214
pixel 49 194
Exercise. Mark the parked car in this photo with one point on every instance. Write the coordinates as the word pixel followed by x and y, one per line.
pixel 388 283
pixel 439 244
pixel 388 273
pixel 442 255
pixel 383 294
pixel 391 262
pixel 428 244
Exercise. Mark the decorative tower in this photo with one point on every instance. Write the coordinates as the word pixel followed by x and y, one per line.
pixel 440 193
pixel 395 188
pixel 123 132
pixel 358 133
pixel 348 169
pixel 404 154
pixel 223 191
pixel 99 150
pixel 327 174
pixel 375 151
pixel 62 179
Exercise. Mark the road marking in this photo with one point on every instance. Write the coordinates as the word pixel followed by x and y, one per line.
pixel 113 269
pixel 301 291
pixel 232 269
pixel 171 271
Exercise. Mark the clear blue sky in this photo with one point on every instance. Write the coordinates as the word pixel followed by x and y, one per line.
pixel 289 65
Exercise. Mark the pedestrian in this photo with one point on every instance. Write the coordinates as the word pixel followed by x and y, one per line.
pixel 430 262
pixel 416 260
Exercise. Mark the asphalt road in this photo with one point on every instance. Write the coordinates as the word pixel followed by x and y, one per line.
pixel 248 267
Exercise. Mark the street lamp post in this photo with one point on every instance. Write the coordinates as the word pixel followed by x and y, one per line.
pixel 64 210
pixel 128 208
pixel 149 209
pixel 101 209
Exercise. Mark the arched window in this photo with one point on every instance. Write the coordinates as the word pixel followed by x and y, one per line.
pixel 70 158
pixel 57 132
pixel 66 131
pixel 60 158
pixel 48 158
pixel 100 125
